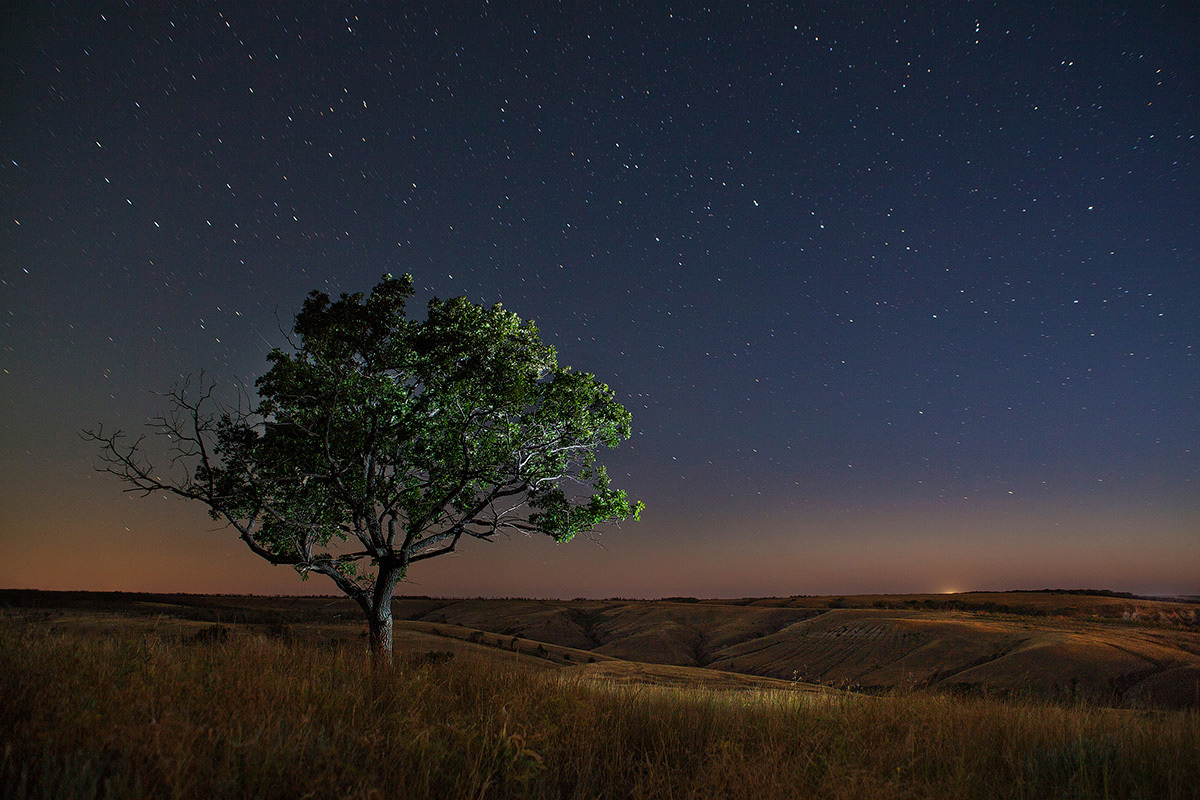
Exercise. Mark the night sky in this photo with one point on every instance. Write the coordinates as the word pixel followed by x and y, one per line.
pixel 901 298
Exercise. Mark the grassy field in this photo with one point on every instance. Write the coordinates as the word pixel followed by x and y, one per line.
pixel 158 709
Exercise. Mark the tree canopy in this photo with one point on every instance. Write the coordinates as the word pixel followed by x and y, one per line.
pixel 379 441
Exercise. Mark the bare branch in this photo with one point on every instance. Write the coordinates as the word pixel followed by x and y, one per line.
pixel 440 552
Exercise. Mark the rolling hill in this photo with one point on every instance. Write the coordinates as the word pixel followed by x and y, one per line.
pixel 1106 648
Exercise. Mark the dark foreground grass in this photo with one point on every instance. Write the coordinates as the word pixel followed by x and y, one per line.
pixel 89 717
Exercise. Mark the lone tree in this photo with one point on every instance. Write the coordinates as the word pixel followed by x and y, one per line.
pixel 382 441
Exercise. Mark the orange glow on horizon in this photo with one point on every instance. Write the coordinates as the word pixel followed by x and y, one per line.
pixel 149 545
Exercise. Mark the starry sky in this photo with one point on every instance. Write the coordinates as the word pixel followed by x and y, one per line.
pixel 902 298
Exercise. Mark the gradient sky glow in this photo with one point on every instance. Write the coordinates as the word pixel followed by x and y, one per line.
pixel 902 300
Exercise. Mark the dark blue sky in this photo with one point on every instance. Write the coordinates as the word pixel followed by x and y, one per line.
pixel 900 299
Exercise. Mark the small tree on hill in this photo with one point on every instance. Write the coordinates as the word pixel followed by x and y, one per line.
pixel 382 441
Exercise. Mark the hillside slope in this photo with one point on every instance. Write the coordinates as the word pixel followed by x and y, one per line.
pixel 1118 650
pixel 1041 644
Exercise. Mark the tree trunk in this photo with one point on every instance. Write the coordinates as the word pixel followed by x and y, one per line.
pixel 379 617
pixel 380 626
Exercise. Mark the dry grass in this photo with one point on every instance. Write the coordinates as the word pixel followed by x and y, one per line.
pixel 147 716
pixel 1051 645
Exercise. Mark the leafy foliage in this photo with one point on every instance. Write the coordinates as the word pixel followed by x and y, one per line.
pixel 379 441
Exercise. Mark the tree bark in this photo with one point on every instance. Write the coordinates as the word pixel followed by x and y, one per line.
pixel 379 618
pixel 380 626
